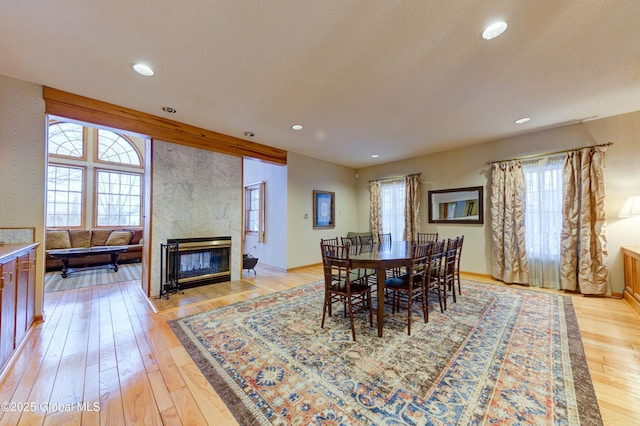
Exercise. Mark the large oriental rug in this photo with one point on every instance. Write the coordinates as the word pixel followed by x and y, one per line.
pixel 498 356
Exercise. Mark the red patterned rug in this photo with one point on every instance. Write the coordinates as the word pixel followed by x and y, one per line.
pixel 498 356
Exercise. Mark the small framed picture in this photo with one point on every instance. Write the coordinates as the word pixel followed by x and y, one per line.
pixel 324 215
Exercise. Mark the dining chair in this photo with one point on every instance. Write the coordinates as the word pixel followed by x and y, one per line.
pixel 448 270
pixel 457 265
pixel 353 240
pixel 365 242
pixel 339 287
pixel 384 239
pixel 425 237
pixel 434 272
pixel 412 286
pixel 329 241
pixel 359 273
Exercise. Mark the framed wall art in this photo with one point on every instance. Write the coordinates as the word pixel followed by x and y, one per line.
pixel 324 210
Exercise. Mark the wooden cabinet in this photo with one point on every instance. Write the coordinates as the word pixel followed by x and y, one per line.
pixel 8 306
pixel 17 295
pixel 632 276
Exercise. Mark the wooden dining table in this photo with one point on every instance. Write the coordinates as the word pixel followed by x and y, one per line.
pixel 382 257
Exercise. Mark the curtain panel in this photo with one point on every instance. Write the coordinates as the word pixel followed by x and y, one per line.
pixel 375 214
pixel 412 208
pixel 584 256
pixel 509 257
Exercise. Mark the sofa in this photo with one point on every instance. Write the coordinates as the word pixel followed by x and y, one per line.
pixel 72 238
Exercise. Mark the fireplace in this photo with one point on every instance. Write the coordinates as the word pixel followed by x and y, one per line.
pixel 192 262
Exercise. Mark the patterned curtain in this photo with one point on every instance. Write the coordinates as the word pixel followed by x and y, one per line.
pixel 509 258
pixel 412 207
pixel 584 254
pixel 375 217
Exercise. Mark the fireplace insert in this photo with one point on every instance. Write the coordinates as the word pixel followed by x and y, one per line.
pixel 192 262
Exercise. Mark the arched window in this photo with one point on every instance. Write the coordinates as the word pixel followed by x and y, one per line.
pixel 114 148
pixel 66 140
pixel 116 191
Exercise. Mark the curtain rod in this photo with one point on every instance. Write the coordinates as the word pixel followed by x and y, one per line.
pixel 549 153
pixel 395 177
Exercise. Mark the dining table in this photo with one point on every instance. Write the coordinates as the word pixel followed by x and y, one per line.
pixel 382 257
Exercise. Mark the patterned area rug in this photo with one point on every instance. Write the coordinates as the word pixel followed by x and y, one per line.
pixel 498 356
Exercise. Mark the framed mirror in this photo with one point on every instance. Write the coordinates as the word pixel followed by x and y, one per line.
pixel 458 205
pixel 324 215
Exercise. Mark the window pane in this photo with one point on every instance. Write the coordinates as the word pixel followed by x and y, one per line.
pixel 64 195
pixel 392 208
pixel 118 198
pixel 66 139
pixel 114 148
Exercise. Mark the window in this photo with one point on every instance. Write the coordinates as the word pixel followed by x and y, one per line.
pixel 392 200
pixel 114 148
pixel 118 198
pixel 543 219
pixel 115 190
pixel 65 188
pixel 254 210
pixel 66 140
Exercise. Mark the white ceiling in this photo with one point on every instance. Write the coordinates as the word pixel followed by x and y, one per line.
pixel 387 77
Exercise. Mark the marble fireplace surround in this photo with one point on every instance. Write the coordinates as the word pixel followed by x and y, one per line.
pixel 195 193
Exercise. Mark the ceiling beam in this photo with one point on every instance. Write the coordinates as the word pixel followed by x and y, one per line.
pixel 76 107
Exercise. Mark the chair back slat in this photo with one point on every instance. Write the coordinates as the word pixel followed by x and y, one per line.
pixel 425 237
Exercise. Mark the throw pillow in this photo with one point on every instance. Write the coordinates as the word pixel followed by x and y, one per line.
pixel 118 238
pixel 57 240
pixel 80 237
pixel 99 236
pixel 137 235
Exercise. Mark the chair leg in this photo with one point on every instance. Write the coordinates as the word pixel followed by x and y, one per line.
pixel 453 288
pixel 324 309
pixel 370 309
pixel 410 298
pixel 353 327
pixel 425 303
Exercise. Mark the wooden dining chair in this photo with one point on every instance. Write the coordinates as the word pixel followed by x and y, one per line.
pixel 366 274
pixel 425 237
pixel 329 241
pixel 434 269
pixel 384 239
pixel 457 265
pixel 412 286
pixel 339 286
pixel 365 242
pixel 448 270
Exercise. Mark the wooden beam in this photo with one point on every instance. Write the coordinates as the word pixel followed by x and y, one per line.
pixel 76 107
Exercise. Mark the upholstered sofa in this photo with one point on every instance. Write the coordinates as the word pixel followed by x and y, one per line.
pixel 71 238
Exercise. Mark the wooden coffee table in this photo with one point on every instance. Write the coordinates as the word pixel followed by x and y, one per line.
pixel 65 254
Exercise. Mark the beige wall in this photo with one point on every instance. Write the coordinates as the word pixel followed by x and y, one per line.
pixel 304 175
pixel 22 163
pixel 467 167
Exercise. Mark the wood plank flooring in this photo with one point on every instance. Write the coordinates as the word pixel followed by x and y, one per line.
pixel 105 348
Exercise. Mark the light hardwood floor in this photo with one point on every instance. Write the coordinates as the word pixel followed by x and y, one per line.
pixel 106 345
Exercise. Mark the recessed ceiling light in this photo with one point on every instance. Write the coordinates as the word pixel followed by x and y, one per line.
pixel 169 109
pixel 143 69
pixel 297 127
pixel 249 134
pixel 494 30
pixel 375 156
pixel 522 120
